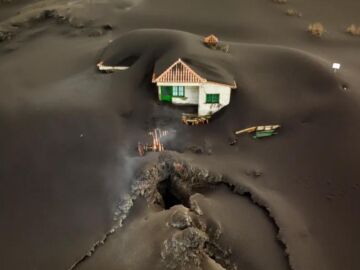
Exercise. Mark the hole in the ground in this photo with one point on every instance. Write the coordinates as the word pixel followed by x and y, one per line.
pixel 170 194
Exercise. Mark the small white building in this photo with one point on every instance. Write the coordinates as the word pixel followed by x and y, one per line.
pixel 180 84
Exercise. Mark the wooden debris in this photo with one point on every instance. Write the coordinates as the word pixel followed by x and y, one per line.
pixel 108 69
pixel 141 149
pixel 258 131
pixel 353 30
pixel 155 145
pixel 293 12
pixel 246 130
pixel 316 29
pixel 193 119
pixel 257 128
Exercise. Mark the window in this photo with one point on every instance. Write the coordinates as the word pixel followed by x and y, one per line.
pixel 212 98
pixel 178 91
pixel 181 91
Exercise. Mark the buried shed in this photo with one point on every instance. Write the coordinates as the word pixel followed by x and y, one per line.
pixel 211 40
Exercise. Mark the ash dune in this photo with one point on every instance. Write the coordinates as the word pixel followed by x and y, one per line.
pixel 77 14
pixel 70 174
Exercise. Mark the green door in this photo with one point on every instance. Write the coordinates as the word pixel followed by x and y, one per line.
pixel 166 93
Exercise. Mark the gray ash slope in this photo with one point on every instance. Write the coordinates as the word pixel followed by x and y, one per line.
pixel 67 132
pixel 189 220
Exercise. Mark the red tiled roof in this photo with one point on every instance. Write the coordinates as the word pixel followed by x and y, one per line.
pixel 211 40
pixel 179 72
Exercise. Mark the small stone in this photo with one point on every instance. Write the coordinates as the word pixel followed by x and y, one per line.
pixel 194 206
pixel 107 27
pixel 253 173
pixel 97 32
pixel 345 87
pixel 184 249
pixel 180 219
pixel 4 36
pixel 75 22
pixel 196 149
pixel 257 173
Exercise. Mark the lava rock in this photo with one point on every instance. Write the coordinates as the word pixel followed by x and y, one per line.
pixel 4 35
pixel 195 149
pixel 194 206
pixel 180 219
pixel 96 32
pixel 184 249
pixel 76 23
pixel 107 27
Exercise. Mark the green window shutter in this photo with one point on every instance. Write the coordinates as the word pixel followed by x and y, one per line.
pixel 212 98
pixel 166 93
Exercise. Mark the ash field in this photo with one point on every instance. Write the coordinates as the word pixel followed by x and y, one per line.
pixel 75 194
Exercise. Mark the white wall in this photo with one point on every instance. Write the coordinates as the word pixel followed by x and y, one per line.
pixel 191 96
pixel 196 94
pixel 211 88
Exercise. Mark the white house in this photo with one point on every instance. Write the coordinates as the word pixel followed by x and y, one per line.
pixel 180 84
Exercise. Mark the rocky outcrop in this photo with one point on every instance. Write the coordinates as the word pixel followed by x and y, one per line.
pixel 185 249
pixel 173 184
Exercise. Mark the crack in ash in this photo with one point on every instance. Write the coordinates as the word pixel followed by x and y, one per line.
pixel 124 209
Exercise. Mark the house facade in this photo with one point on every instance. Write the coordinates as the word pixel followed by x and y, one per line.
pixel 180 84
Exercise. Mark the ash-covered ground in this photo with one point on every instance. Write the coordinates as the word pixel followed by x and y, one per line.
pixel 74 192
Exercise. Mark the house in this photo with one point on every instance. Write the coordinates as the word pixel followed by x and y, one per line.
pixel 180 84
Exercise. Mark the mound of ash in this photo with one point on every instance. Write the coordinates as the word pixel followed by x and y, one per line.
pixel 76 14
pixel 191 238
pixel 173 185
